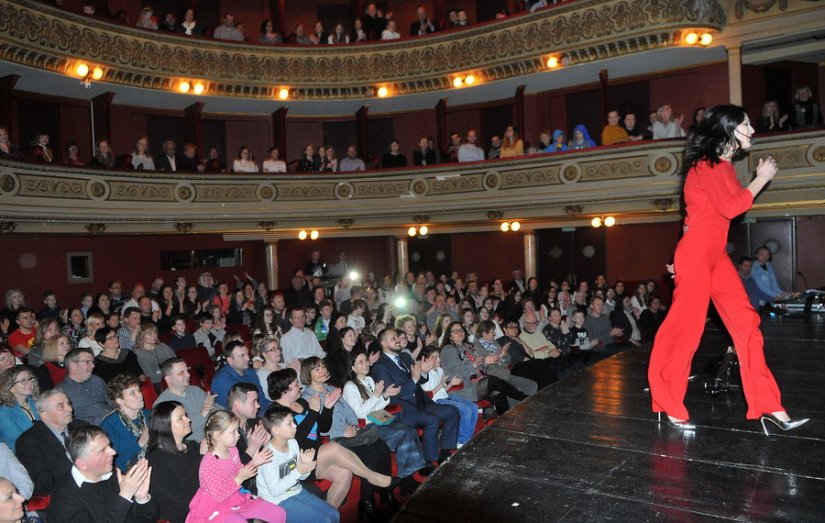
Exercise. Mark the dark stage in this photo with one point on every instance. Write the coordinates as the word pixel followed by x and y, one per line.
pixel 589 449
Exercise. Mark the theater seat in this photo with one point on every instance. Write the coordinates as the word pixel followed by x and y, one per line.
pixel 199 363
pixel 149 393
pixel 37 503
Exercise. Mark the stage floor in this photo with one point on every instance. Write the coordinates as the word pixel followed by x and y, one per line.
pixel 589 449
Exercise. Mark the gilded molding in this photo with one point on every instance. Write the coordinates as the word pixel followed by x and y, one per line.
pixel 42 36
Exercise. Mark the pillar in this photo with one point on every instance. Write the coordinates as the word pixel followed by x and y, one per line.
pixel 102 116
pixel 276 12
pixel 8 116
pixel 402 248
pixel 193 126
pixel 735 74
pixel 530 256
pixel 518 110
pixel 279 131
pixel 272 265
pixel 441 136
pixel 361 134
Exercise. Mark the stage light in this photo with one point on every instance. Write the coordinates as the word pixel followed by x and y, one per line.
pixel 552 62
pixel 400 302
pixel 458 81
pixel 97 73
pixel 505 226
pixel 183 87
pixel 609 221
pixel 691 38
pixel 470 79
pixel 313 235
pixel 423 230
pixel 81 70
pixel 302 234
pixel 199 87
pixel 283 93
pixel 412 231
pixel 705 39
pixel 382 92
pixel 515 226
pixel 596 222
pixel 354 276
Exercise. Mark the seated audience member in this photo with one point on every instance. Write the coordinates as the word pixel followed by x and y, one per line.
pixel 439 385
pixel 581 139
pixel 422 25
pixel 15 473
pixel 168 160
pixel 765 276
pixel 86 391
pixel 141 157
pixel 391 32
pixel 299 36
pixel 22 339
pixel 358 34
pixel 174 461
pixel 75 328
pixel 274 164
pixel 338 36
pixel 244 163
pixel 533 340
pixel 127 425
pixel 469 151
pixel 243 403
pixel 18 410
pixel 613 132
pixel 169 23
pixel 94 322
pixel 600 331
pixel 806 112
pixel 486 345
pixel 495 148
pixel 351 162
pixel 219 496
pixel 559 142
pixel 103 156
pixel 147 19
pixel 213 161
pixel 269 350
pixel 771 120
pixel 651 319
pixel 72 157
pixel 269 35
pixel 451 154
pixel 227 30
pixel 424 155
pixel 625 319
pixel 665 125
pixel 189 25
pixel 190 162
pixel 279 480
pixel 745 269
pixel 50 309
pixel 180 338
pixel 198 404
pixel 151 353
pixel 541 371
pixel 114 360
pixel 54 352
pixel 300 342
pixel 236 370
pixel 635 132
pixel 207 335
pixel 43 448
pixel 42 152
pixel 417 409
pixel 7 150
pixel 698 116
pixel 94 492
pixel 512 145
pixel 394 158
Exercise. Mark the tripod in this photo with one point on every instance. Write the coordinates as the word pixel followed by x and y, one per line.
pixel 721 380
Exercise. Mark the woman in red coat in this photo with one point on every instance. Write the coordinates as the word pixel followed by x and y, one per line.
pixel 703 271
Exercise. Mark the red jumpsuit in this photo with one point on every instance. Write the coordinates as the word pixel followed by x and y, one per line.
pixel 704 271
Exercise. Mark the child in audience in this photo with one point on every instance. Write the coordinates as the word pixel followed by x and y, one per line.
pixel 279 480
pixel 219 497
pixel 581 338
pixel 356 318
pixel 438 384
pixel 180 338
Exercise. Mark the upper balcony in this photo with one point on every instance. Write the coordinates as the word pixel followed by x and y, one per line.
pixel 636 182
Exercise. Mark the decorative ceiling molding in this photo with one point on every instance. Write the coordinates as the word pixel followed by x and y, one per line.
pixel 630 179
pixel 46 37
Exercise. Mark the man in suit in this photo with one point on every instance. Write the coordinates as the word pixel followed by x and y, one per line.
pixel 417 409
pixel 625 319
pixel 168 161
pixel 43 448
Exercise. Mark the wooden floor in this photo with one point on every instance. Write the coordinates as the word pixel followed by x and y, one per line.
pixel 589 449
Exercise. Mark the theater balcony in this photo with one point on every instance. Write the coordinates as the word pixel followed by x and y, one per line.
pixel 634 183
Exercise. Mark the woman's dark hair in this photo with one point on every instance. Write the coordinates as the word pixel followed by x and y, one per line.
pixel 263 30
pixel 362 390
pixel 447 340
pixel 279 381
pixel 69 314
pixel 426 351
pixel 713 136
pixel 260 323
pixel 101 333
pixel 160 428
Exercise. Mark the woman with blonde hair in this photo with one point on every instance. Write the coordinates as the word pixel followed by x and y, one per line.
pixel 18 411
pixel 54 350
pixel 151 353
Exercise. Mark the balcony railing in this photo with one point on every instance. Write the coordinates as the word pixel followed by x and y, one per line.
pixel 638 180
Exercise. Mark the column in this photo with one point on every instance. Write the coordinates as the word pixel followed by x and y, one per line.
pixel 441 136
pixel 530 255
pixel 272 264
pixel 193 126
pixel 361 135
pixel 8 115
pixel 735 74
pixel 102 116
pixel 518 109
pixel 402 249
pixel 279 131
pixel 276 12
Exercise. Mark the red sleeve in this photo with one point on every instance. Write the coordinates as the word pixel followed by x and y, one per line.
pixel 723 189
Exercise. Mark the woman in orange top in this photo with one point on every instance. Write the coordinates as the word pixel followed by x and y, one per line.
pixel 512 144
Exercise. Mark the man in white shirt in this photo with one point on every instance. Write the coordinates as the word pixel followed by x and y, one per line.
pixel 300 342
pixel 351 162
pixel 470 152
pixel 274 164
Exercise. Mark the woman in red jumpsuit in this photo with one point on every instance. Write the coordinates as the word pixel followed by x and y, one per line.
pixel 703 271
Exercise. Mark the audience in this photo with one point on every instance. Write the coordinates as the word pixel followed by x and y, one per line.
pixel 227 30
pixel 18 410
pixel 665 125
pixel 613 132
pixel 197 403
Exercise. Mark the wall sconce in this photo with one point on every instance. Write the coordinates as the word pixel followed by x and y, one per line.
pixel 553 62
pixel 694 38
pixel 465 80
pixel 607 221
pixel 184 86
pixel 303 234
pixel 87 73
pixel 382 92
pixel 421 230
pixel 510 226
pixel 283 93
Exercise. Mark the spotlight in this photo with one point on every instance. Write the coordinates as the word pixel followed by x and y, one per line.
pixel 515 226
pixel 302 234
pixel 505 226
pixel 412 231
pixel 705 39
pixel 470 79
pixel 313 235
pixel 199 87
pixel 596 222
pixel 458 81
pixel 552 62
pixel 609 221
pixel 97 73
pixel 400 303
pixel 510 226
pixel 183 87
pixel 283 93
pixel 81 70
pixel 382 92
pixel 354 276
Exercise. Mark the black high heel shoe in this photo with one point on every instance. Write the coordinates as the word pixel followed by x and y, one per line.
pixel 367 508
pixel 678 425
pixel 784 425
pixel 394 482
pixel 388 500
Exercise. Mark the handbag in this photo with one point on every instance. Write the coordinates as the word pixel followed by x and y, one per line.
pixel 365 436
pixel 380 417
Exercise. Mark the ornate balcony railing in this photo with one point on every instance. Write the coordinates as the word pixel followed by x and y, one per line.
pixel 46 37
pixel 638 180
